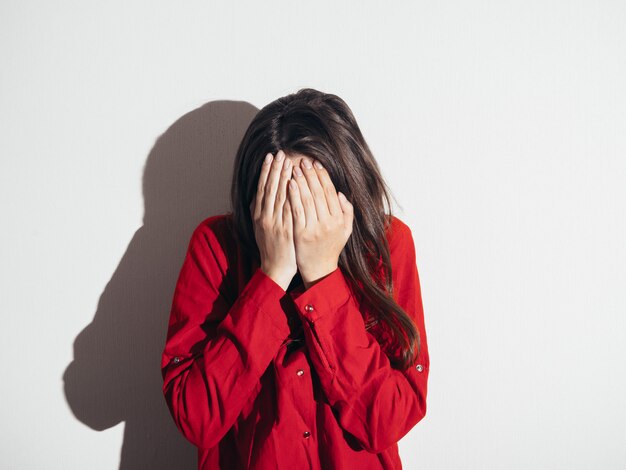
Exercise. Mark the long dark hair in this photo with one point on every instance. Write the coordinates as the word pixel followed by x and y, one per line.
pixel 322 126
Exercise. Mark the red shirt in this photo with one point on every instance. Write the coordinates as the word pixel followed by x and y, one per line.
pixel 260 378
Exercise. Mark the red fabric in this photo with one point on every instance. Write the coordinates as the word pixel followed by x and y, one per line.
pixel 259 378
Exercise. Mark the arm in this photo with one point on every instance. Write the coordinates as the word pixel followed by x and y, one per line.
pixel 372 401
pixel 215 353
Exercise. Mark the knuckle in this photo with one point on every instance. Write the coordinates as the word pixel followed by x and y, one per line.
pixel 334 224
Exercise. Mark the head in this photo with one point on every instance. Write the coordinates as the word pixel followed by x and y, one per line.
pixel 322 127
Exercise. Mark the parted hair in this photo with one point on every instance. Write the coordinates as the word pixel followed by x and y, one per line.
pixel 322 127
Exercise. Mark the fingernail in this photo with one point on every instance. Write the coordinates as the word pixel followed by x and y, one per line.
pixel 268 158
pixel 307 163
pixel 318 164
pixel 297 170
pixel 287 163
pixel 280 156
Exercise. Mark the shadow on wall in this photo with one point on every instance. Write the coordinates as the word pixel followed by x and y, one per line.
pixel 115 375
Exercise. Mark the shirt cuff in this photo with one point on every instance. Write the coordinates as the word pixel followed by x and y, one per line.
pixel 262 291
pixel 324 297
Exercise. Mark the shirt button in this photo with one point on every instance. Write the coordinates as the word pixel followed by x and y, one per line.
pixel 177 359
pixel 300 372
pixel 306 434
pixel 308 308
pixel 419 367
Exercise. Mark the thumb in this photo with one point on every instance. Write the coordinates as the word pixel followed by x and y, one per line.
pixel 348 209
pixel 343 200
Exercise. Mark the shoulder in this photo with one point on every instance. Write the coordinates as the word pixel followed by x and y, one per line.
pixel 215 232
pixel 217 223
pixel 399 235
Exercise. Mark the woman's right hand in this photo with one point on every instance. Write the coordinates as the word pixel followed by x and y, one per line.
pixel 272 222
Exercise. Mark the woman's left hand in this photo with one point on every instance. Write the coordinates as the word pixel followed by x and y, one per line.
pixel 322 220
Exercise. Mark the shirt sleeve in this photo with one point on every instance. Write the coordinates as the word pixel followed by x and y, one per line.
pixel 216 351
pixel 374 402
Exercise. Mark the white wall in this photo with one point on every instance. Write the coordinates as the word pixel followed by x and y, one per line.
pixel 500 126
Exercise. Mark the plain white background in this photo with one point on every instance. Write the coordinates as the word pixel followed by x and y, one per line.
pixel 499 125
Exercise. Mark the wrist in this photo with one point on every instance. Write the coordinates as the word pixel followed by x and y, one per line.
pixel 311 277
pixel 283 279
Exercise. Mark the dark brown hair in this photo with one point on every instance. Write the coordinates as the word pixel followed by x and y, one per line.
pixel 322 126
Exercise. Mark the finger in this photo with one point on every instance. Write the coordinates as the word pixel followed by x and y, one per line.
pixel 316 190
pixel 295 202
pixel 306 197
pixel 257 200
pixel 287 218
pixel 281 194
pixel 253 206
pixel 332 200
pixel 348 212
pixel 271 187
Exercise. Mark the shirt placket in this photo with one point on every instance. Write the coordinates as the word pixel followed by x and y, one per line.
pixel 296 402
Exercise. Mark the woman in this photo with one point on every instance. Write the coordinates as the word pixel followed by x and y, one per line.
pixel 296 338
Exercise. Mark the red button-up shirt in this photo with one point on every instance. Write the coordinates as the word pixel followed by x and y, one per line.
pixel 260 378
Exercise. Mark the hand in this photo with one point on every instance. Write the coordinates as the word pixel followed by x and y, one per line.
pixel 273 225
pixel 322 221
